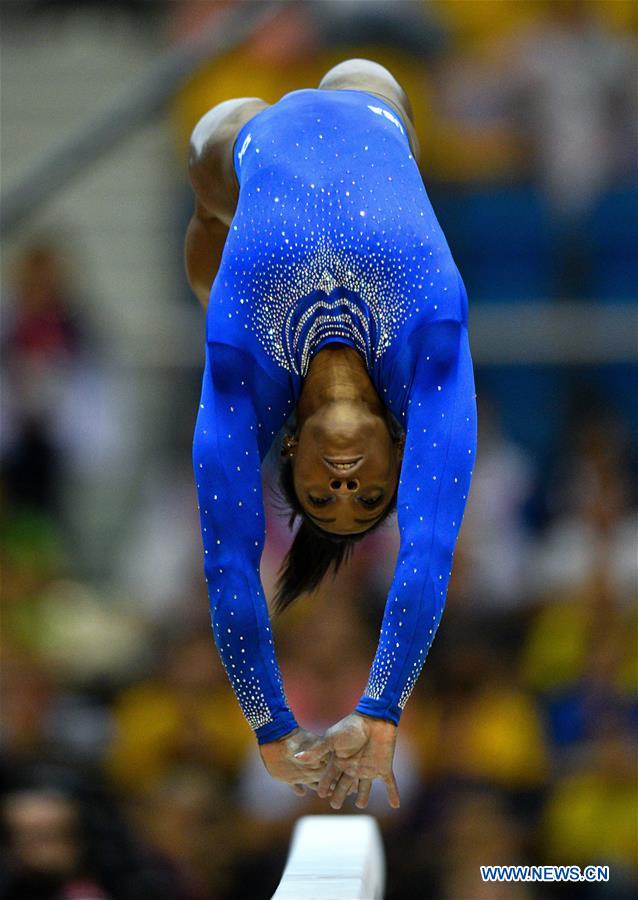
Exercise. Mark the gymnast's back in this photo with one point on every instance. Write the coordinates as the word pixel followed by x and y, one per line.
pixel 332 236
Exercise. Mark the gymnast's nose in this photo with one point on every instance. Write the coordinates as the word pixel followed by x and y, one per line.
pixel 344 486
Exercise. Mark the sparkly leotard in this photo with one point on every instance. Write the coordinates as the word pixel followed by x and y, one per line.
pixel 333 240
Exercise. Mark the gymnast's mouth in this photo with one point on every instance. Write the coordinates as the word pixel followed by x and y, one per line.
pixel 342 465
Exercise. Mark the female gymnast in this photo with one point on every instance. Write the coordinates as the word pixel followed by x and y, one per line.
pixel 336 315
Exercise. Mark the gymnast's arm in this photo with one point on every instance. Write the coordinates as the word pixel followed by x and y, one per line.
pixel 203 248
pixel 434 485
pixel 227 461
pixel 212 176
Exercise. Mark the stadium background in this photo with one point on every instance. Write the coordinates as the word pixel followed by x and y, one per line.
pixel 519 743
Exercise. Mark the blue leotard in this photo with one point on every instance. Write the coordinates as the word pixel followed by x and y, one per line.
pixel 333 239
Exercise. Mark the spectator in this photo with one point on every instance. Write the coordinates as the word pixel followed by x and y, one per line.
pixel 479 830
pixel 42 339
pixel 591 813
pixel 495 536
pixel 488 727
pixel 184 715
pixel 574 81
pixel 188 818
pixel 595 524
pixel 66 841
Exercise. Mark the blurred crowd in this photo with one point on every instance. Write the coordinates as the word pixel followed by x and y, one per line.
pixel 127 769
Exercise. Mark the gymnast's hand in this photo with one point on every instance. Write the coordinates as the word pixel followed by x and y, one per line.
pixel 280 759
pixel 361 749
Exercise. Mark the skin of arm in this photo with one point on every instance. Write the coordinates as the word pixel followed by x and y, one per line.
pixel 212 176
pixel 205 239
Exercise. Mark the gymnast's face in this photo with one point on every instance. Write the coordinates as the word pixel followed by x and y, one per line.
pixel 345 467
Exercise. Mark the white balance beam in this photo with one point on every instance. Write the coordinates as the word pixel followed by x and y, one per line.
pixel 334 858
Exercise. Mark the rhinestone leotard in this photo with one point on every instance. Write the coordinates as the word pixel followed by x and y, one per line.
pixel 333 239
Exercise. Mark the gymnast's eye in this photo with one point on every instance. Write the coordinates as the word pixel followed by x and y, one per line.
pixel 370 502
pixel 319 501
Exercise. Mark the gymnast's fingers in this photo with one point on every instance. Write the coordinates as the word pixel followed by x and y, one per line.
pixel 365 784
pixel 329 779
pixel 340 792
pixel 393 790
pixel 299 789
pixel 314 756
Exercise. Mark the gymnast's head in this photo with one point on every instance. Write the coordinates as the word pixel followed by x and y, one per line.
pixel 339 475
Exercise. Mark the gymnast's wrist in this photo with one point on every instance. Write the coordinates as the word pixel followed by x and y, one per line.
pixel 378 710
pixel 279 730
pixel 288 734
pixel 356 712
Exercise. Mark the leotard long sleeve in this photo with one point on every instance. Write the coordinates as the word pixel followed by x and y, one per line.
pixel 333 240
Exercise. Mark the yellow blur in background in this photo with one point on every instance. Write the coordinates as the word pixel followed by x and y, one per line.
pixel 122 741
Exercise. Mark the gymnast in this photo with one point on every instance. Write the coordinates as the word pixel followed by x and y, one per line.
pixel 336 318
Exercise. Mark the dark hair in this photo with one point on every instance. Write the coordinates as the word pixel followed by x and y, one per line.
pixel 314 550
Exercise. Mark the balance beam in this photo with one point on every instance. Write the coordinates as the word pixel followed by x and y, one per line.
pixel 334 858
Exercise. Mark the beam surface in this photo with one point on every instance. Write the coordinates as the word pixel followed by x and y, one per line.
pixel 334 858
